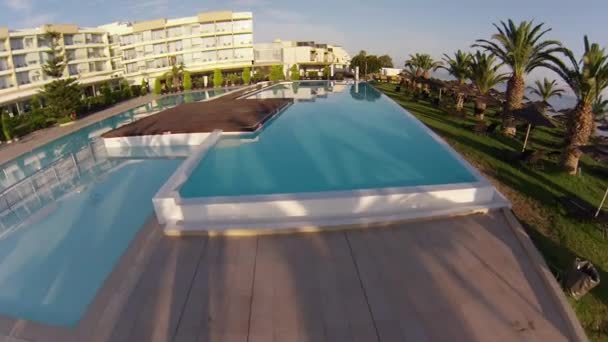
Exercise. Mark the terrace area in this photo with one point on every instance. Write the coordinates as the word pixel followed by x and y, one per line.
pixel 469 278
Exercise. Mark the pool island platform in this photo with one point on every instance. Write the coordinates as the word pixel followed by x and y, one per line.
pixel 191 123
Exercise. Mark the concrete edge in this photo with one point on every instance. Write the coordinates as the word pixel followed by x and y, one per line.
pixel 314 228
pixel 576 330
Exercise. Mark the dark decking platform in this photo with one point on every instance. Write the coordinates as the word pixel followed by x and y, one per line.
pixel 226 113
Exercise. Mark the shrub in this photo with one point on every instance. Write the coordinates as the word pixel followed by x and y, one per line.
pixel 276 73
pixel 295 73
pixel 233 79
pixel 313 75
pixel 144 87
pixel 246 75
pixel 199 82
pixel 106 91
pixel 187 83
pixel 7 128
pixel 218 79
pixel 259 76
pixel 326 72
pixel 136 90
pixel 339 76
pixel 62 97
pixel 125 90
pixel 158 88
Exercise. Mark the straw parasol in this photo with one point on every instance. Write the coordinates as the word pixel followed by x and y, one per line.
pixel 533 114
pixel 598 152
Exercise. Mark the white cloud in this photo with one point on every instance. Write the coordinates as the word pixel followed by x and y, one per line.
pixel 18 5
pixel 37 20
pixel 152 8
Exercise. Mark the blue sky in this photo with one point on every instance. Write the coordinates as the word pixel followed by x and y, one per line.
pixel 397 28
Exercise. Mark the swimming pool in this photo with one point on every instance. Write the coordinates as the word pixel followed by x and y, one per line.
pixel 341 154
pixel 67 213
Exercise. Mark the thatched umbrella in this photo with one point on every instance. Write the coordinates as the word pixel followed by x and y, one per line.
pixel 598 152
pixel 533 114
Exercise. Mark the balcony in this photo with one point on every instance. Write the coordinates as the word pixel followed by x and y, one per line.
pixel 94 41
pixel 23 82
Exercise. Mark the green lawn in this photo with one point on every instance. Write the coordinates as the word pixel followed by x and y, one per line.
pixel 533 194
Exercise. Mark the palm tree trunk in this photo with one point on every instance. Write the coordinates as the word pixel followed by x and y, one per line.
pixel 459 102
pixel 515 97
pixel 579 130
pixel 480 110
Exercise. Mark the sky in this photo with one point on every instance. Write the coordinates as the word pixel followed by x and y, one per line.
pixel 392 27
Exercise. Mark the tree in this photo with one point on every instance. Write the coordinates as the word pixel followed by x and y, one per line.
pixel 460 68
pixel 600 107
pixel 546 89
pixel 247 75
pixel 294 73
pixel 276 73
pixel 386 61
pixel 175 75
pixel 106 91
pixel 158 87
pixel 485 75
pixel 326 72
pixel 62 97
pixel 523 49
pixel 368 64
pixel 187 82
pixel 56 61
pixel 424 63
pixel 218 79
pixel 587 78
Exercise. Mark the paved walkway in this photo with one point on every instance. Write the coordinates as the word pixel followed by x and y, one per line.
pixel 41 137
pixel 473 278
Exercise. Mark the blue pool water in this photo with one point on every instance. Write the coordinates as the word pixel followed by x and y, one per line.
pixel 333 138
pixel 67 216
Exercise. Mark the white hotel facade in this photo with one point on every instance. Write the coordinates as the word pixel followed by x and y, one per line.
pixel 146 50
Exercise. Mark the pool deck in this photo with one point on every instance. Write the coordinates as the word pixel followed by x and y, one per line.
pixel 471 278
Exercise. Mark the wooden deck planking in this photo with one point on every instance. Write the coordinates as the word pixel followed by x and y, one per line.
pixel 220 298
pixel 405 282
pixel 306 289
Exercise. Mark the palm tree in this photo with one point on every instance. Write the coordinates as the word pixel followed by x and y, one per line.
pixel 423 63
pixel 523 49
pixel 459 67
pixel 587 78
pixel 546 89
pixel 484 74
pixel 600 108
pixel 175 75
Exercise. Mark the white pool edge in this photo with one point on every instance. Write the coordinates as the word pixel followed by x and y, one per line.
pixel 183 216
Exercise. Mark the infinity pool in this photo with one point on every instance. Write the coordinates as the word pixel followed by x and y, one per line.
pixel 333 138
pixel 67 213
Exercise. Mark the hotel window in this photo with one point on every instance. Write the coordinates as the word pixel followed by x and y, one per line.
pixel 19 61
pixel 208 42
pixel 207 28
pixel 23 78
pixel 209 56
pixel 243 54
pixel 16 43
pixel 223 27
pixel 160 62
pixel 175 46
pixel 224 41
pixel 148 50
pixel 160 48
pixel 79 39
pixel 150 64
pixel 158 34
pixel 3 64
pixel 28 42
pixel 2 45
pixel 195 29
pixel 35 76
pixel 131 68
pixel 243 39
pixel 174 31
pixel 242 25
pixel 187 58
pixel 5 82
pixel 93 38
pixel 223 55
pixel 197 42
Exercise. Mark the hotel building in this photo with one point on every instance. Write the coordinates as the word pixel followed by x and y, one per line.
pixel 308 56
pixel 147 50
pixel 24 52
